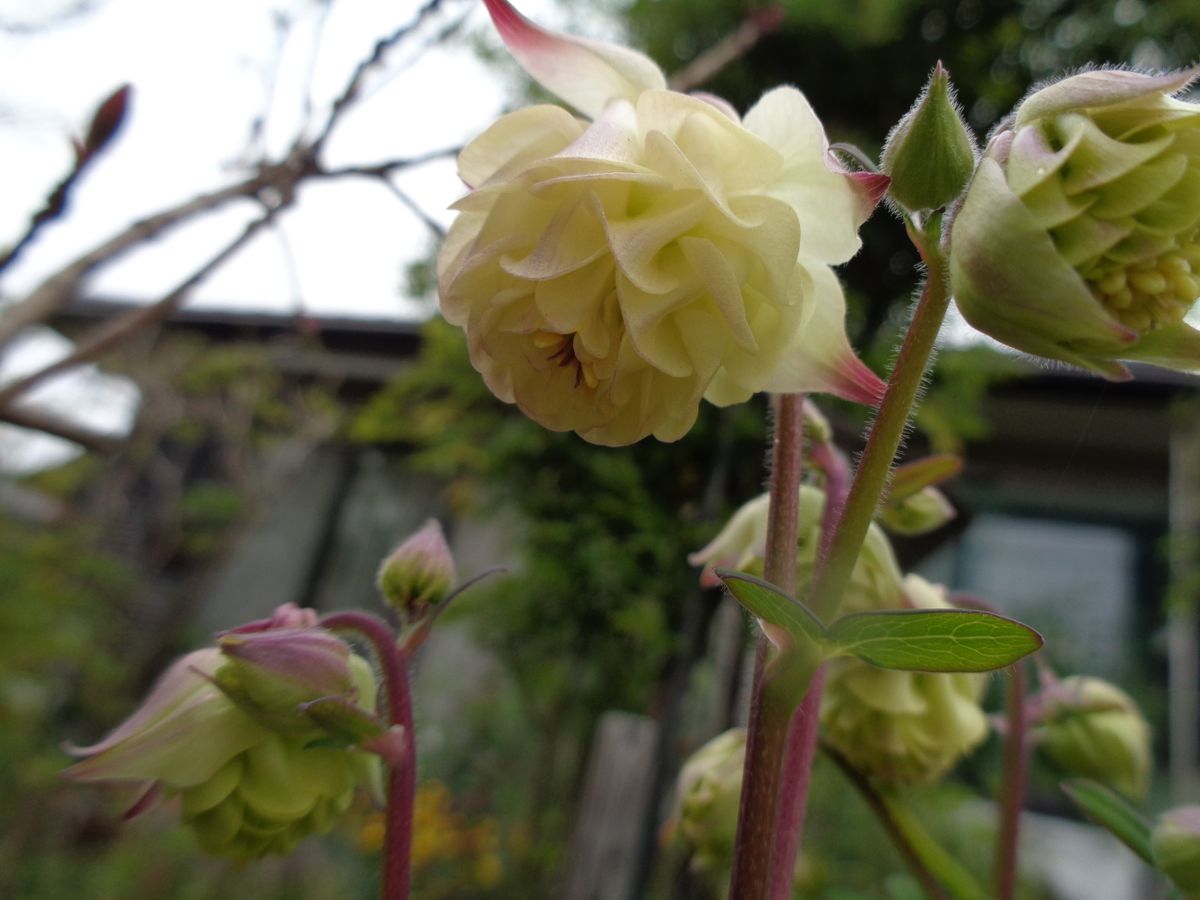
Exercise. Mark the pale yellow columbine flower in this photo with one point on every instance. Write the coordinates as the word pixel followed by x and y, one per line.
pixel 1079 237
pixel 611 271
pixel 903 727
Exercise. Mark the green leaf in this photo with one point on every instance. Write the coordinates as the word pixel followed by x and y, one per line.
pixel 915 476
pixel 1110 810
pixel 767 602
pixel 941 640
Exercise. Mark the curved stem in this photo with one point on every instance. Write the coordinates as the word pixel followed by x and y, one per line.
pixel 887 431
pixel 402 779
pixel 1012 788
pixel 768 729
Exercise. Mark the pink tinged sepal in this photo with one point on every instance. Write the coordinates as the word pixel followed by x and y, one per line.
pixel 310 662
pixel 286 615
pixel 871 188
pixel 145 802
pixel 586 74
pixel 821 359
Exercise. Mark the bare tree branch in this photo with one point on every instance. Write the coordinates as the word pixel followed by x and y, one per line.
pixel 115 332
pixel 53 425
pixel 733 46
pixel 354 86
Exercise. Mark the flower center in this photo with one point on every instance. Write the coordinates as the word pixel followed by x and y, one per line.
pixel 1151 293
pixel 565 354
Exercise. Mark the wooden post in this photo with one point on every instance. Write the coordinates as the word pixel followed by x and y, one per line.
pixel 617 794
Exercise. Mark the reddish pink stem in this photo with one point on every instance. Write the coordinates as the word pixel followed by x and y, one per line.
pixel 402 779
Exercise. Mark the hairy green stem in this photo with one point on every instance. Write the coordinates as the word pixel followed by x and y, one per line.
pixel 402 779
pixel 770 715
pixel 871 477
pixel 1012 788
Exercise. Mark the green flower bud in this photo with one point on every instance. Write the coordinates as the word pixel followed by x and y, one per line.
pixel 272 674
pixel 874 584
pixel 708 791
pixel 419 573
pixel 926 510
pixel 930 154
pixel 246 790
pixel 1175 843
pixel 903 727
pixel 1079 237
pixel 1090 728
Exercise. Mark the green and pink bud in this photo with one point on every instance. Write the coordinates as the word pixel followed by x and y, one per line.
pixel 226 731
pixel 1092 729
pixel 1079 237
pixel 418 574
pixel 1175 843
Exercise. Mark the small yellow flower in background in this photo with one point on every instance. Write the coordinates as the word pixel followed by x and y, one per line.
pixel 612 271
pixel 903 727
pixel 1079 237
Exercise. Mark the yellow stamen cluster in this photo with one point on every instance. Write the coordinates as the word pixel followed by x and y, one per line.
pixel 1153 292
pixel 566 353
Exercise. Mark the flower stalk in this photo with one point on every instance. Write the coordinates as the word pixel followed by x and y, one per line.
pixel 402 778
pixel 770 715
pixel 782 740
pixel 874 468
pixel 1012 788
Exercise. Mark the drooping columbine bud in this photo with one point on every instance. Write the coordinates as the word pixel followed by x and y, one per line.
pixel 874 583
pixel 930 154
pixel 926 510
pixel 1079 237
pixel 903 727
pixel 708 791
pixel 419 573
pixel 272 674
pixel 245 790
pixel 1093 729
pixel 1175 843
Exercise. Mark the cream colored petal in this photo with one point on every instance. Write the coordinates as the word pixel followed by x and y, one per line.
pixel 516 140
pixel 829 206
pixel 820 358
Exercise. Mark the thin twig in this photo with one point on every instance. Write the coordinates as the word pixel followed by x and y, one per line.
pixel 354 86
pixel 52 425
pixel 58 290
pixel 112 333
pixel 438 231
pixel 730 48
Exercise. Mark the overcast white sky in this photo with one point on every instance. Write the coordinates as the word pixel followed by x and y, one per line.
pixel 200 75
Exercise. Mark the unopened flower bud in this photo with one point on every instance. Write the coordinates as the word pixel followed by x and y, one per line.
pixel 1175 843
pixel 709 789
pixel 419 573
pixel 245 789
pixel 271 674
pixel 926 510
pixel 741 544
pixel 903 727
pixel 1093 729
pixel 930 154
pixel 1079 236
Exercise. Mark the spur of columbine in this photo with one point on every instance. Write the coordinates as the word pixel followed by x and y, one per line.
pixel 612 270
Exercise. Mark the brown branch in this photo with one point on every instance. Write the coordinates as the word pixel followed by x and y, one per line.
pixel 60 428
pixel 112 333
pixel 354 85
pixel 58 290
pixel 733 46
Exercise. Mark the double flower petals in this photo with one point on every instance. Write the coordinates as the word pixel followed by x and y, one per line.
pixel 611 273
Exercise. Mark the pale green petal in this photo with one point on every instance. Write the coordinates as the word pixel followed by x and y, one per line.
pixel 1096 159
pixel 1099 88
pixel 1173 347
